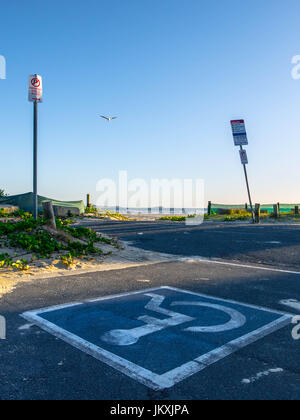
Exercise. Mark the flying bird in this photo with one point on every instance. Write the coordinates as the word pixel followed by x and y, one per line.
pixel 108 118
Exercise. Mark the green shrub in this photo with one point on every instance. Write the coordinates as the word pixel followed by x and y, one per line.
pixel 174 218
pixel 40 243
pixel 232 218
pixel 6 261
pixel 2 193
pixel 91 209
pixel 28 234
pixel 67 259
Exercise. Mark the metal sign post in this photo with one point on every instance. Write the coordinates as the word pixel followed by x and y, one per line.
pixel 35 142
pixel 35 95
pixel 241 139
pixel 243 154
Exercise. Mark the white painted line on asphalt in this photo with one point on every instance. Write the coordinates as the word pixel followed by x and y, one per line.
pixel 261 375
pixel 151 325
pixel 237 319
pixel 58 307
pixel 292 303
pixel 252 267
pixel 235 345
pixel 137 292
pixel 25 327
pixel 145 376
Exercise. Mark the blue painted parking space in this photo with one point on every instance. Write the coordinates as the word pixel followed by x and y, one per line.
pixel 159 336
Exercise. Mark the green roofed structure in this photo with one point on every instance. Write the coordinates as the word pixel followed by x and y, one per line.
pixel 25 202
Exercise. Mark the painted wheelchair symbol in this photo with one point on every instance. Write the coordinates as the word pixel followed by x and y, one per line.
pixel 152 325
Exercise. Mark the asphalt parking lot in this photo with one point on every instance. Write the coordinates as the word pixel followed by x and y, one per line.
pixel 273 244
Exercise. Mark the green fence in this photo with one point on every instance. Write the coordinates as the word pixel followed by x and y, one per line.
pixel 265 207
pixel 25 202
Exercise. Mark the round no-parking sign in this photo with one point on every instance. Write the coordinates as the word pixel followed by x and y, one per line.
pixel 35 93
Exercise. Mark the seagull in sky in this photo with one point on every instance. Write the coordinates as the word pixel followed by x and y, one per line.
pixel 108 119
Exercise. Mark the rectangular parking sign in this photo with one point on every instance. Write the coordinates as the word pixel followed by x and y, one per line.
pixel 239 132
pixel 244 157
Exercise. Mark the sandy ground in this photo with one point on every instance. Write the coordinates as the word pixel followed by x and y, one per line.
pixel 118 259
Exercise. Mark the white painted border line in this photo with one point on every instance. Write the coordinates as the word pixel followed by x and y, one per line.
pixel 152 289
pixel 135 292
pixel 108 297
pixel 145 376
pixel 253 267
pixel 241 342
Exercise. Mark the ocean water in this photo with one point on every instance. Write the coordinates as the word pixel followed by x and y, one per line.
pixel 155 210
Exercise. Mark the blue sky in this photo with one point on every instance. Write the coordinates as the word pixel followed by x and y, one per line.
pixel 175 72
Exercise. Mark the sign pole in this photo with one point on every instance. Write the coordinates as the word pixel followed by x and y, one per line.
pixel 248 189
pixel 35 144
pixel 35 95
pixel 240 139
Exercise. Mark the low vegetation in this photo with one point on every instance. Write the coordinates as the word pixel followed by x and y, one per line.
pixel 2 193
pixel 173 218
pixel 93 211
pixel 178 218
pixel 232 215
pixel 20 231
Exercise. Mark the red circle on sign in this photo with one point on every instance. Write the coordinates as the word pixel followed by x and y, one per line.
pixel 35 82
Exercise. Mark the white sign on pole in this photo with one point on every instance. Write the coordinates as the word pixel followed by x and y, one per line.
pixel 35 92
pixel 244 157
pixel 239 132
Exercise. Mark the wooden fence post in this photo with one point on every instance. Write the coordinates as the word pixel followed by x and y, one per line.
pixel 276 210
pixel 209 208
pixel 88 200
pixel 49 213
pixel 257 213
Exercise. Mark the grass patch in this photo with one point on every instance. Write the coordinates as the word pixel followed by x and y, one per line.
pixel 104 214
pixel 7 261
pixel 237 217
pixel 178 218
pixel 174 218
pixel 91 210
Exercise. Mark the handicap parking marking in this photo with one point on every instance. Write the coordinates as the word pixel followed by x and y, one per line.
pixel 159 336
